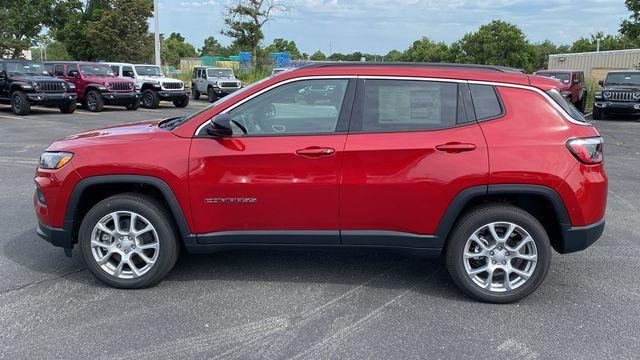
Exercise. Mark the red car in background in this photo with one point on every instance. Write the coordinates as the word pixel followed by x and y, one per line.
pixel 96 85
pixel 573 85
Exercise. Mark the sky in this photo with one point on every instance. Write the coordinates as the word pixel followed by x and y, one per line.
pixel 378 26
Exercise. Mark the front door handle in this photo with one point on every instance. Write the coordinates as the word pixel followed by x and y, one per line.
pixel 316 151
pixel 456 147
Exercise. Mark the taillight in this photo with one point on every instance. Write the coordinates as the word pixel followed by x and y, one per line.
pixel 587 150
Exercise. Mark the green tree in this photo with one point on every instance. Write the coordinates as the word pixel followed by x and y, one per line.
pixel 425 50
pixel 21 22
pixel 394 56
pixel 245 19
pixel 630 28
pixel 115 30
pixel 607 42
pixel 212 47
pixel 54 51
pixel 539 53
pixel 175 47
pixel 283 46
pixel 318 56
pixel 496 43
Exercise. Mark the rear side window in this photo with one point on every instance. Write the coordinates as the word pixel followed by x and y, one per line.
pixel 407 105
pixel 566 106
pixel 486 102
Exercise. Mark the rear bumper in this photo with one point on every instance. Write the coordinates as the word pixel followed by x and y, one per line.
pixel 579 238
pixel 171 95
pixel 56 236
pixel 116 98
pixel 51 98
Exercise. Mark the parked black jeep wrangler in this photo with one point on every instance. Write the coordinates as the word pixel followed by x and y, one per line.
pixel 620 95
pixel 24 83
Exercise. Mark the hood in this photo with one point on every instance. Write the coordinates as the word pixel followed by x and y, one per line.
pixel 158 78
pixel 621 88
pixel 139 131
pixel 103 79
pixel 31 78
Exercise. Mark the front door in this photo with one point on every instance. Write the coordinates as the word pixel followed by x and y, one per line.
pixel 413 146
pixel 4 81
pixel 278 182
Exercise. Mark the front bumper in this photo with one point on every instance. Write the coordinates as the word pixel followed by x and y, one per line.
pixel 220 92
pixel 56 236
pixel 51 98
pixel 618 106
pixel 171 95
pixel 120 98
pixel 579 238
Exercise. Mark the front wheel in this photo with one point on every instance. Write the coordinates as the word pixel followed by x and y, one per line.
pixel 181 103
pixel 128 241
pixel 498 253
pixel 94 101
pixel 20 104
pixel 68 108
pixel 150 99
pixel 211 95
pixel 598 114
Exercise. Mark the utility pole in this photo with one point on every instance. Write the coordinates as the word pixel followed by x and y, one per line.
pixel 156 29
pixel 598 45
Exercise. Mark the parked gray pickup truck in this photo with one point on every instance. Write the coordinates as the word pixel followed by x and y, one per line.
pixel 214 82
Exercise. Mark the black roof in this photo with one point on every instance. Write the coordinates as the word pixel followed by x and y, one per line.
pixel 415 64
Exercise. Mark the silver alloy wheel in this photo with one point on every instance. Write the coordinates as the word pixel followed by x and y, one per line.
pixel 125 244
pixel 17 103
pixel 92 101
pixel 148 99
pixel 500 256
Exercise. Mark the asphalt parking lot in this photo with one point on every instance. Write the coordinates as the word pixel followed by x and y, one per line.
pixel 305 304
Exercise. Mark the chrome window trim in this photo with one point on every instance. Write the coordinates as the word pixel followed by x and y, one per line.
pixel 555 105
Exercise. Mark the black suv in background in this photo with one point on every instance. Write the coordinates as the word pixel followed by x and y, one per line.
pixel 24 83
pixel 620 94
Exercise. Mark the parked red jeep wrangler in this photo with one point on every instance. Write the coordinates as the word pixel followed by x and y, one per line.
pixel 573 86
pixel 96 85
pixel 487 166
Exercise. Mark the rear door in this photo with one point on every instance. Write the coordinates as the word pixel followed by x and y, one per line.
pixel 279 181
pixel 413 145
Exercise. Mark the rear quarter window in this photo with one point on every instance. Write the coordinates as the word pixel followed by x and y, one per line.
pixel 486 102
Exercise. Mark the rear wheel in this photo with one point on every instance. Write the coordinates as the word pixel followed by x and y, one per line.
pixel 150 99
pixel 181 103
pixel 498 253
pixel 195 93
pixel 68 108
pixel 211 95
pixel 94 101
pixel 20 104
pixel 128 241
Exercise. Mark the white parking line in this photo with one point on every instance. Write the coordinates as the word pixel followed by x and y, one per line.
pixel 585 115
pixel 10 117
pixel 78 112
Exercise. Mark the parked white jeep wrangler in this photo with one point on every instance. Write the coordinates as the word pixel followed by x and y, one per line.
pixel 215 82
pixel 153 85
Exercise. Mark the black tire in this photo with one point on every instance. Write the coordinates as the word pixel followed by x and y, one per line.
pixel 598 114
pixel 134 105
pixel 181 103
pixel 68 108
pixel 20 104
pixel 477 218
pixel 582 103
pixel 94 101
pixel 156 214
pixel 211 95
pixel 195 93
pixel 150 99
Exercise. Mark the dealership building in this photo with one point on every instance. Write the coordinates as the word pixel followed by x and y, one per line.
pixel 596 65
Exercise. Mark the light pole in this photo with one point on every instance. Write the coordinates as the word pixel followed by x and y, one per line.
pixel 156 29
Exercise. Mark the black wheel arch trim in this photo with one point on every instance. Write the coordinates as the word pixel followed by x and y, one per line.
pixel 82 185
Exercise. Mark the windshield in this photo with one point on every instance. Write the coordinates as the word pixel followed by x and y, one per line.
pixel 149 70
pixel 96 70
pixel 567 106
pixel 564 77
pixel 26 68
pixel 624 79
pixel 219 73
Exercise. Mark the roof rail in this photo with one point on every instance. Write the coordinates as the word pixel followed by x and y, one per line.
pixel 414 64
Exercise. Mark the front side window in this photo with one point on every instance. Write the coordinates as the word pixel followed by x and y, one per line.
pixel 59 70
pixel 127 71
pixel 115 69
pixel 96 70
pixel 302 107
pixel 407 105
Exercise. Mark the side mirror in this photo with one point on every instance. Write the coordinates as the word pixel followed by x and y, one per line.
pixel 3 74
pixel 221 126
pixel 576 81
pixel 601 82
pixel 73 73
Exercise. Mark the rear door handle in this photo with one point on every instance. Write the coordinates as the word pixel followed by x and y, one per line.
pixel 456 147
pixel 316 151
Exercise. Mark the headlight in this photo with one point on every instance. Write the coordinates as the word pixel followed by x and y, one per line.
pixel 109 85
pixel 54 160
pixel 35 85
pixel 636 96
pixel 606 94
pixel 598 95
pixel 71 86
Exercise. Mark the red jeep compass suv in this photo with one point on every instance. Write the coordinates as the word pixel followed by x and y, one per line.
pixel 487 166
